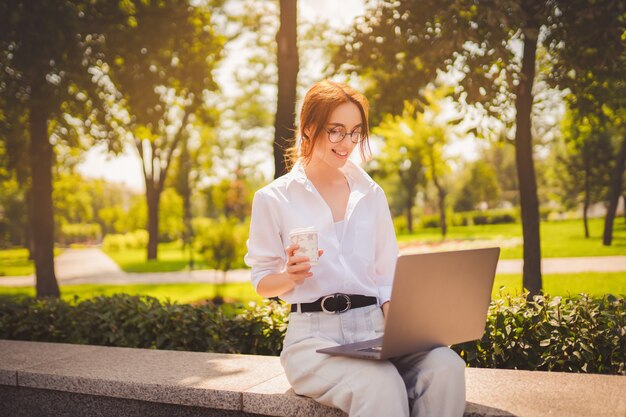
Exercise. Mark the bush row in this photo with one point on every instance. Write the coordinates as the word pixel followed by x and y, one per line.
pixel 576 334
pixel 79 233
pixel 468 218
pixel 118 242
pixel 145 322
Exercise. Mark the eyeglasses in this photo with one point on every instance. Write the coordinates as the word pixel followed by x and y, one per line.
pixel 336 134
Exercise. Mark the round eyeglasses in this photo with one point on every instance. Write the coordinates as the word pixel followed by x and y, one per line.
pixel 336 134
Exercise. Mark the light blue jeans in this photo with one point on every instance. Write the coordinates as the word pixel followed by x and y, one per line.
pixel 423 384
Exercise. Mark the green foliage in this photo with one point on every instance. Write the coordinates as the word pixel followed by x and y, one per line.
pixel 80 233
pixel 582 161
pixel 222 242
pixel 477 218
pixel 400 225
pixel 552 334
pixel 170 216
pixel 480 187
pixel 413 151
pixel 145 322
pixel 134 240
pixel 580 334
pixel 13 213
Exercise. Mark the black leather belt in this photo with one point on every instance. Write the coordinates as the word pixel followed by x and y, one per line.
pixel 335 303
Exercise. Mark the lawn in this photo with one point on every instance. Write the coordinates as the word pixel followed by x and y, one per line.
pixel 181 293
pixel 592 283
pixel 558 238
pixel 16 262
pixel 170 258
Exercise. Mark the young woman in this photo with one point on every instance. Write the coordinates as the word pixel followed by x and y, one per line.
pixel 358 252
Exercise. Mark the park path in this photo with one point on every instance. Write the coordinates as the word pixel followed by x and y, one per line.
pixel 92 266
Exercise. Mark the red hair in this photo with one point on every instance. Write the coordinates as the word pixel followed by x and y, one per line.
pixel 319 102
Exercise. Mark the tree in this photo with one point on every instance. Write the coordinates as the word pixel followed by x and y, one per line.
pixel 46 48
pixel 583 162
pixel 162 79
pixel 222 245
pixel 288 65
pixel 405 152
pixel 400 44
pixel 591 54
pixel 480 187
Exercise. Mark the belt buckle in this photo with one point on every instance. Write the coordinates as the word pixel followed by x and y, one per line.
pixel 345 296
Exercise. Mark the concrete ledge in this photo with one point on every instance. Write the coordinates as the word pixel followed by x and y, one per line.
pixel 37 377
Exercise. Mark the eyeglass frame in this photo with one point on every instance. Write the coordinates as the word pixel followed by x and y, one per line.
pixel 345 133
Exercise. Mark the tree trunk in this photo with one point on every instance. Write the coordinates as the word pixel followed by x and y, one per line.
pixel 624 201
pixel 616 191
pixel 42 220
pixel 185 191
pixel 525 168
pixel 28 228
pixel 409 216
pixel 441 194
pixel 587 164
pixel 153 196
pixel 284 124
pixel 442 212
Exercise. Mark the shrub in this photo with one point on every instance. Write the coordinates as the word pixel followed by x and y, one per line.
pixel 79 233
pixel 145 322
pixel 552 334
pixel 580 334
pixel 430 221
pixel 401 225
pixel 133 240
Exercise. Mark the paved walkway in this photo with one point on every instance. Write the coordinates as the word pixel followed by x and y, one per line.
pixel 92 266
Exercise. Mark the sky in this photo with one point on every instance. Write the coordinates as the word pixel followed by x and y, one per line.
pixel 126 168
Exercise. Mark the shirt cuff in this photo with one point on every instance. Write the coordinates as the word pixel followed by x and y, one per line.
pixel 384 294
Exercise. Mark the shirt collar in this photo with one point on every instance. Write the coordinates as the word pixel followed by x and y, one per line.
pixel 357 178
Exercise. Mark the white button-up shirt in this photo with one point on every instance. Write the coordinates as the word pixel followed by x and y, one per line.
pixel 362 262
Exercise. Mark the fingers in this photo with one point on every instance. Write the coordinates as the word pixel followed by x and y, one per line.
pixel 320 252
pixel 298 266
pixel 291 249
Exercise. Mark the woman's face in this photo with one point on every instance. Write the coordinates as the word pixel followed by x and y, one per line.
pixel 347 118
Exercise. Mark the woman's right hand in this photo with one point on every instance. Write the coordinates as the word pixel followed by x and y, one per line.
pixel 298 267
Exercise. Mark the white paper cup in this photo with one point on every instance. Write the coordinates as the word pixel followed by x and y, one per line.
pixel 306 238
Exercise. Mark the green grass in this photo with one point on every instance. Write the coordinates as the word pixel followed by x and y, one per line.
pixel 181 293
pixel 558 238
pixel 170 258
pixel 14 262
pixel 592 283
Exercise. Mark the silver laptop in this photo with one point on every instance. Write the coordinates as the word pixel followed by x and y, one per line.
pixel 438 299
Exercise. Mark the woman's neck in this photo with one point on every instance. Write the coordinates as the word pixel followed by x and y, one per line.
pixel 318 172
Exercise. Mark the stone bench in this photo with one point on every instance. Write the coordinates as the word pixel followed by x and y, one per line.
pixel 55 379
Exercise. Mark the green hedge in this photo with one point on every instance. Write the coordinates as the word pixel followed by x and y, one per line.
pixel 145 322
pixel 580 334
pixel 575 334
pixel 79 233
pixel 132 240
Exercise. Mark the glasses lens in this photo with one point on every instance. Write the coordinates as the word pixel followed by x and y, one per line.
pixel 336 134
pixel 357 136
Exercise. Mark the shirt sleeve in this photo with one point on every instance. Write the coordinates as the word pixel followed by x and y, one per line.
pixel 266 254
pixel 386 248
